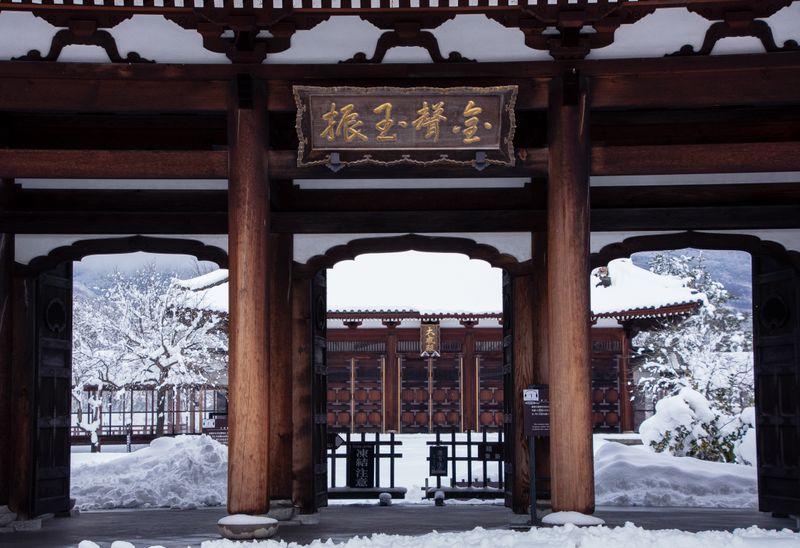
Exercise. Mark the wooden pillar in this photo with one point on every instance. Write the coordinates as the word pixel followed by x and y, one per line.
pixel 568 296
pixel 523 377
pixel 541 360
pixel 6 288
pixel 280 364
pixel 248 242
pixel 469 389
pixel 23 395
pixel 302 416
pixel 391 390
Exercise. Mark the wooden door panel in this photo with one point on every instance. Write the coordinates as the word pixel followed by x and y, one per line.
pixel 53 362
pixel 776 328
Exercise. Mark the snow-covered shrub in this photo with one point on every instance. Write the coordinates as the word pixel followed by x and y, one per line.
pixel 709 351
pixel 687 425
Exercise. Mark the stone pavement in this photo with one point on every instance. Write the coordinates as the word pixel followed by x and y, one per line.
pixel 182 528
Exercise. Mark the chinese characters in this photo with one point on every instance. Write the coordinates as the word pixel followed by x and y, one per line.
pixel 383 123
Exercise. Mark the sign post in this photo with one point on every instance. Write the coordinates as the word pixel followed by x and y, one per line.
pixel 361 465
pixel 536 404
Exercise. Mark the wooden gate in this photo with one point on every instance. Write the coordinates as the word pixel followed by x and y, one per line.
pixel 776 325
pixel 508 387
pixel 319 387
pixel 53 367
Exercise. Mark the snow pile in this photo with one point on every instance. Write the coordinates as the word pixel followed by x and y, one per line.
pixel 635 476
pixel 634 288
pixel 180 472
pixel 687 425
pixel 575 518
pixel 567 536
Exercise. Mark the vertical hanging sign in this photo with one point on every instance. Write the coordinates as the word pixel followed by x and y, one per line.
pixel 429 341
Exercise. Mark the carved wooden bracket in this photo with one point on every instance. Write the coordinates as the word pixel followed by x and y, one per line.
pixel 408 33
pixel 571 34
pixel 245 37
pixel 82 32
pixel 737 23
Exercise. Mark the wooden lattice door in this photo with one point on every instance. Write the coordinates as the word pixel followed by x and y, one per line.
pixel 776 326
pixel 53 366
pixel 319 380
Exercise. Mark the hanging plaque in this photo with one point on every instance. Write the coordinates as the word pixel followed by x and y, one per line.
pixel 341 126
pixel 429 340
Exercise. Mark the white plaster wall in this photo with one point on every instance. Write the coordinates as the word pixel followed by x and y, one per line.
pixel 516 244
pixel 30 246
pixel 790 239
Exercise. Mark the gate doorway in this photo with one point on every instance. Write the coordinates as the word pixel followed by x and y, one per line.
pixel 382 378
pixel 44 364
pixel 776 362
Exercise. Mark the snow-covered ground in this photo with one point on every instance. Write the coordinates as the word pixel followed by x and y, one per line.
pixel 566 536
pixel 190 471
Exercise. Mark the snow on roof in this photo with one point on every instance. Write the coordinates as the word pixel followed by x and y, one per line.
pixel 628 291
pixel 633 291
pixel 212 289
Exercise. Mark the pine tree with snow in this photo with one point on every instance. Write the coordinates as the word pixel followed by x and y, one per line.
pixel 710 351
pixel 144 329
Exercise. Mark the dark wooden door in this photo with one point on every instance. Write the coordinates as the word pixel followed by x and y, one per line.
pixel 776 325
pixel 509 395
pixel 319 387
pixel 53 365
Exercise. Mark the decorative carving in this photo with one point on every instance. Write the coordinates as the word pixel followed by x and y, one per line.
pixel 245 36
pixel 408 33
pixel 774 313
pixel 564 32
pixel 85 33
pixel 55 316
pixel 737 24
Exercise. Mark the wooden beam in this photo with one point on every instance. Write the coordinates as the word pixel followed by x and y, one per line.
pixel 407 221
pixel 248 357
pixel 283 165
pixel 195 164
pixel 279 281
pixel 105 222
pixel 674 82
pixel 114 164
pixel 292 198
pixel 703 158
pixel 696 218
pixel 100 89
pixel 571 458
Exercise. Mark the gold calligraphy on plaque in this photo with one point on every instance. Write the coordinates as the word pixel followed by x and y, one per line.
pixel 429 340
pixel 386 125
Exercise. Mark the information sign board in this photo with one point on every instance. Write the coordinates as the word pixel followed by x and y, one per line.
pixel 536 405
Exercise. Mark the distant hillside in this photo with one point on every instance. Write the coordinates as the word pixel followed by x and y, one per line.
pixel 731 268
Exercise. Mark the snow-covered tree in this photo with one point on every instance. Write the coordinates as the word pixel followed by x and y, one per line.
pixel 709 351
pixel 144 329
